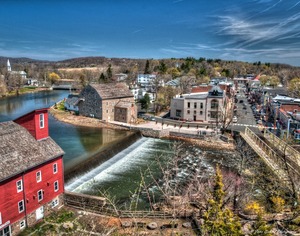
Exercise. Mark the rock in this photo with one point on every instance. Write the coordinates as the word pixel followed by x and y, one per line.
pixel 68 225
pixel 126 224
pixel 187 225
pixel 152 226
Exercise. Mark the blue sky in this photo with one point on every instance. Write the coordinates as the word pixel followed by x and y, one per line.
pixel 246 30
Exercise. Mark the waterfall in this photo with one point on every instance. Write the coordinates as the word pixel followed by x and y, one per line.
pixel 136 154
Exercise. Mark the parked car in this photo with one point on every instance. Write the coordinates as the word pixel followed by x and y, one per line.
pixel 234 119
pixel 241 101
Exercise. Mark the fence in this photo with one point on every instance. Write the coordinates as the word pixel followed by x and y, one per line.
pixel 101 206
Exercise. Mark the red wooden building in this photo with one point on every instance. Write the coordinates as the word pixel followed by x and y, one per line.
pixel 31 172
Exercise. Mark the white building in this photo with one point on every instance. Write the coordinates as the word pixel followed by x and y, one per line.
pixel 199 107
pixel 21 73
pixel 146 80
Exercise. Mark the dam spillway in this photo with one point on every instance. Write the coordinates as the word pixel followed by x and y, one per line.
pixel 122 172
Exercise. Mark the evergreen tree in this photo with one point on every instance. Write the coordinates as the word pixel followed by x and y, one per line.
pixel 145 102
pixel 162 68
pixel 102 79
pixel 219 221
pixel 109 72
pixel 147 68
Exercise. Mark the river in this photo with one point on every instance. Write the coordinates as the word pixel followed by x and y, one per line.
pixel 119 175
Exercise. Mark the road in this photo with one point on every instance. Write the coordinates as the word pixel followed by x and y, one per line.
pixel 244 116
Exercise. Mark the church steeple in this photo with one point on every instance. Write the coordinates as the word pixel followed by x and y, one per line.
pixel 8 65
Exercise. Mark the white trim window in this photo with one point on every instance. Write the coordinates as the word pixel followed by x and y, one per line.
pixel 19 184
pixel 38 176
pixel 55 168
pixel 21 206
pixel 56 186
pixel 54 202
pixel 40 195
pixel 22 224
pixel 0 219
pixel 42 120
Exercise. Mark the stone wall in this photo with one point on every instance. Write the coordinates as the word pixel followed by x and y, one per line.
pixel 152 133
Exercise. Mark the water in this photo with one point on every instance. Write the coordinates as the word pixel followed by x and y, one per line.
pixel 78 142
pixel 120 176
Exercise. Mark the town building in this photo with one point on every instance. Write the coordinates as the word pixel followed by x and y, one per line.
pixel 206 106
pixel 102 101
pixel 71 103
pixel 31 176
pixel 22 74
pixel 146 80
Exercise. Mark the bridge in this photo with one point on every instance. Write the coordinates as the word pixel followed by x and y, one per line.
pixel 278 155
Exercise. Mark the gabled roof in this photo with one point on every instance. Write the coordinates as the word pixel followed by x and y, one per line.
pixel 112 90
pixel 72 99
pixel 20 151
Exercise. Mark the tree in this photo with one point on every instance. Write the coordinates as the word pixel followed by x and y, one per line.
pixel 102 79
pixel 145 102
pixel 217 220
pixel 147 68
pixel 109 72
pixel 53 77
pixel 162 68
pixel 174 72
pixel 294 87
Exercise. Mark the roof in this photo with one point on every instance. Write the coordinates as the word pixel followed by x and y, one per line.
pixel 201 89
pixel 72 99
pixel 20 151
pixel 112 90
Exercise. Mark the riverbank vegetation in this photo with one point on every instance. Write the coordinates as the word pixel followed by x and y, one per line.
pixel 191 71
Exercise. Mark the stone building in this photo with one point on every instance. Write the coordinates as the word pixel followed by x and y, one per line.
pixel 109 102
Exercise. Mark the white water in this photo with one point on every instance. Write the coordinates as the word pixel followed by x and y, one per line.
pixel 135 154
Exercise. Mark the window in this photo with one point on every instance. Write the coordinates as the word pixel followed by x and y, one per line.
pixel 42 121
pixel 40 195
pixel 214 114
pixel 21 206
pixel 188 111
pixel 106 111
pixel 195 112
pixel 5 231
pixel 188 104
pixel 22 224
pixel 55 202
pixel 55 168
pixel 201 113
pixel 201 105
pixel 19 186
pixel 38 176
pixel 195 105
pixel 56 186
pixel 214 104
pixel 0 219
pixel 178 113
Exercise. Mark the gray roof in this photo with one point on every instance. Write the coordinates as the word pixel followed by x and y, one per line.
pixel 112 90
pixel 20 151
pixel 72 99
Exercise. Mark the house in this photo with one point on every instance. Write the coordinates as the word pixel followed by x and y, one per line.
pixel 100 101
pixel 200 106
pixel 31 176
pixel 146 80
pixel 71 103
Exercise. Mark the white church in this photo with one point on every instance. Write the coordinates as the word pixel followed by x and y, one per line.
pixel 21 73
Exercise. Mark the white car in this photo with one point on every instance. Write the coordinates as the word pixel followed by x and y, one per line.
pixel 234 119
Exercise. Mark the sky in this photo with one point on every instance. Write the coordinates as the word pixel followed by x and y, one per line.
pixel 240 30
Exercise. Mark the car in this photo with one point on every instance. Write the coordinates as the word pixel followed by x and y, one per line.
pixel 241 101
pixel 234 119
pixel 244 107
